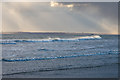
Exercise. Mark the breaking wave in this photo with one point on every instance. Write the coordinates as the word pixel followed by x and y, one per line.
pixel 14 41
pixel 59 57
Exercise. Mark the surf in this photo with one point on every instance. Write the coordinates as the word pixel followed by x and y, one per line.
pixel 56 39
pixel 60 57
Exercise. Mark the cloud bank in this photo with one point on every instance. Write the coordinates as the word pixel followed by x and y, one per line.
pixel 62 16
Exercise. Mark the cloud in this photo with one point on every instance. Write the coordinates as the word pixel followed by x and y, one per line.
pixel 62 16
pixel 66 4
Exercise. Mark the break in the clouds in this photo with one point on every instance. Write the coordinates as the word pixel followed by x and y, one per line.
pixel 62 16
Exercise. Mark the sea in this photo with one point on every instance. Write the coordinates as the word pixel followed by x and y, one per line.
pixel 59 55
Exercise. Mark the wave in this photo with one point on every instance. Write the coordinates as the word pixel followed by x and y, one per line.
pixel 43 49
pixel 94 37
pixel 60 57
pixel 8 43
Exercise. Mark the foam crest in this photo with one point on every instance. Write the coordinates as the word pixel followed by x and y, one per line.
pixel 59 57
pixel 94 37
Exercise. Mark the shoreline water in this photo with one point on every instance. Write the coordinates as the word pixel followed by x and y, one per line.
pixel 109 71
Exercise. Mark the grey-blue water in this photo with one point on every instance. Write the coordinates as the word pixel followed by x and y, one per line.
pixel 55 54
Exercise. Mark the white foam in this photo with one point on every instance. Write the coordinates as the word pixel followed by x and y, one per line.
pixel 52 39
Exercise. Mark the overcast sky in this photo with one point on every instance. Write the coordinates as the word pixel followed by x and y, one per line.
pixel 62 17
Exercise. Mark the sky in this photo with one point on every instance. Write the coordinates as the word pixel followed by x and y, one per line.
pixel 94 17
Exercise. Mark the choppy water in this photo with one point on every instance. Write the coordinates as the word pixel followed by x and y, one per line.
pixel 45 52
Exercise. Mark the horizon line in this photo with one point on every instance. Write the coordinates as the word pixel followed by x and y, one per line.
pixel 59 32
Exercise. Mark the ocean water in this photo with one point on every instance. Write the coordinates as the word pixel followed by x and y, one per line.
pixel 44 53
